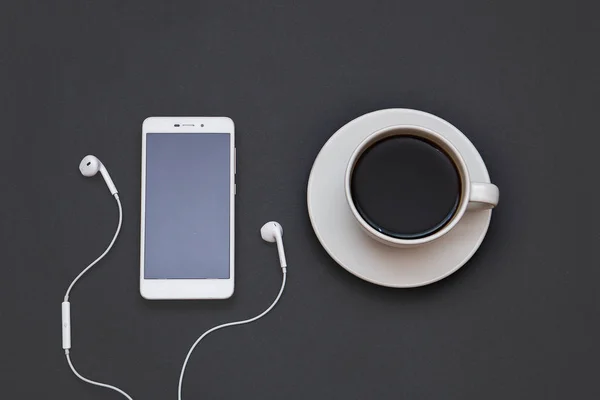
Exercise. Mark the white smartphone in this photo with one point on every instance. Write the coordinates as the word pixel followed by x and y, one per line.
pixel 188 192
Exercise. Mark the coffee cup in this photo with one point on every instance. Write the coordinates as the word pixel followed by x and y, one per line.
pixel 407 185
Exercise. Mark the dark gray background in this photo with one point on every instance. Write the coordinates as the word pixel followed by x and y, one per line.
pixel 520 78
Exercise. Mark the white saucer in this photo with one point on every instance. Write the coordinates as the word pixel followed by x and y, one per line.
pixel 346 242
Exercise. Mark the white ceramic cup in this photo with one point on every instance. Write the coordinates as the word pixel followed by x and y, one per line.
pixel 474 196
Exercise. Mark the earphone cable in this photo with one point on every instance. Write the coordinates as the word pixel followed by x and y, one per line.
pixel 67 351
pixel 91 382
pixel 216 328
pixel 112 242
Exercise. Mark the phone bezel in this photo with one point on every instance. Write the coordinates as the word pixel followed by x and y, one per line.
pixel 181 289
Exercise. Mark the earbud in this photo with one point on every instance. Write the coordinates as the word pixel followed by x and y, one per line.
pixel 90 165
pixel 273 232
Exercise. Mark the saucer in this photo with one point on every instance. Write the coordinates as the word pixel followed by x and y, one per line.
pixel 351 247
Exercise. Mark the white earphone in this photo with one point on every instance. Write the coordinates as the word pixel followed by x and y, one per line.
pixel 90 166
pixel 270 232
pixel 273 232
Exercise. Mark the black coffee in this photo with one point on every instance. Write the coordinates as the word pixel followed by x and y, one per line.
pixel 405 187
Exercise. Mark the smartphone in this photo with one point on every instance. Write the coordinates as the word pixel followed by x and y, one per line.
pixel 187 222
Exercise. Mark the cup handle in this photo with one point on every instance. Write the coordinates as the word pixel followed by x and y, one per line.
pixel 484 196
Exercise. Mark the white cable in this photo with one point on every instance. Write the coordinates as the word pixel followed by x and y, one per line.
pixel 112 242
pixel 67 351
pixel 91 382
pixel 216 328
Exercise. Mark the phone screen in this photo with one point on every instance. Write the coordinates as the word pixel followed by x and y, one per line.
pixel 187 206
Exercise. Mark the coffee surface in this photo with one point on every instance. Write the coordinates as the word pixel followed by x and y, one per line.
pixel 406 187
